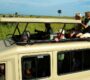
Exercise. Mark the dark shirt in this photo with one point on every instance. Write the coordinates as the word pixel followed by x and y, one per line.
pixel 86 30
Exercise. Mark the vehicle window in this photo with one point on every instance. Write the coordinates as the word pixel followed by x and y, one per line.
pixel 2 71
pixel 73 61
pixel 35 67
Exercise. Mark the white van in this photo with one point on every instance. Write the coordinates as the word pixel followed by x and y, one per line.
pixel 63 60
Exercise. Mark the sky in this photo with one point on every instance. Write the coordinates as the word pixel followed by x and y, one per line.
pixel 44 7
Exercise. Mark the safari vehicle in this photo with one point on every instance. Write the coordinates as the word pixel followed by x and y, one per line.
pixel 46 59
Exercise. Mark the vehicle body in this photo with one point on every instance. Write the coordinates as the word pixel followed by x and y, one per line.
pixel 49 60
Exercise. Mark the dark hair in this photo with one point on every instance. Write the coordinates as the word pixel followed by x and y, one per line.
pixel 77 17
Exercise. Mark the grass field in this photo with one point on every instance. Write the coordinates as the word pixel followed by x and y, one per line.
pixel 7 28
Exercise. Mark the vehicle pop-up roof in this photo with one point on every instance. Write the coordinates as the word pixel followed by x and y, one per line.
pixel 39 20
pixel 17 38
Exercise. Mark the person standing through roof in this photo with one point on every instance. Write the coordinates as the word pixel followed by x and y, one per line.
pixel 77 31
pixel 48 29
pixel 45 34
pixel 86 22
pixel 86 25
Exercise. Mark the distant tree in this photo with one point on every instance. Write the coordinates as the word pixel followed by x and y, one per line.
pixel 16 14
pixel 59 12
pixel 3 15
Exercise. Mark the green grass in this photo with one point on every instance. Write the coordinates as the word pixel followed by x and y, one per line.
pixel 9 28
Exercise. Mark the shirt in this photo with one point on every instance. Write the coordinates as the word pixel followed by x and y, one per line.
pixel 87 30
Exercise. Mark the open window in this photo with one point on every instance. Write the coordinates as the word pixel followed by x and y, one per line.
pixel 34 67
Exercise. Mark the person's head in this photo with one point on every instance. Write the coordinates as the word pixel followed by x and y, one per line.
pixel 78 16
pixel 87 14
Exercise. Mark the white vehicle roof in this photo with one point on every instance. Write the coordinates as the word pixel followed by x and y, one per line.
pixel 44 47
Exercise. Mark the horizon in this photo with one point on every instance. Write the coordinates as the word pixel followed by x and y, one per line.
pixel 44 8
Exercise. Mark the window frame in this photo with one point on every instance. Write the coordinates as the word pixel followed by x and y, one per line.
pixel 35 54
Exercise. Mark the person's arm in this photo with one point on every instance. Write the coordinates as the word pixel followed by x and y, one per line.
pixel 85 26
